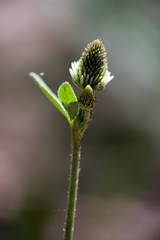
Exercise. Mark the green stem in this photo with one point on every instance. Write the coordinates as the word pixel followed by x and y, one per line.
pixel 78 127
pixel 73 187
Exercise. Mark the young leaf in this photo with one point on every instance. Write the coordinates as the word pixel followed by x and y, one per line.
pixel 50 95
pixel 66 94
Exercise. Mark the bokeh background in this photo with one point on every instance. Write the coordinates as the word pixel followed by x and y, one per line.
pixel 119 192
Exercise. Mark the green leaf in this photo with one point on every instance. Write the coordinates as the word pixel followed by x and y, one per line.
pixel 50 95
pixel 66 94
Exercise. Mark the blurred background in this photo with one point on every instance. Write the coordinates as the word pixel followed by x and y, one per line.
pixel 119 192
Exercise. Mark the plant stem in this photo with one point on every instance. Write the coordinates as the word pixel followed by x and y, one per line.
pixel 78 128
pixel 73 187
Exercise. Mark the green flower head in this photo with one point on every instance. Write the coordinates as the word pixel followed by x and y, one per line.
pixel 92 68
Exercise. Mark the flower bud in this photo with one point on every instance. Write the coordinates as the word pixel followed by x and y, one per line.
pixel 87 99
pixel 92 68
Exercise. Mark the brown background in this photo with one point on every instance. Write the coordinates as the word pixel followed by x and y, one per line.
pixel 119 190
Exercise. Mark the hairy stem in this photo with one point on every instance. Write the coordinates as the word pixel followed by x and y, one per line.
pixel 73 187
pixel 79 126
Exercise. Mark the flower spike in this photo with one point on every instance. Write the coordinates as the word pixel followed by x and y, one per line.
pixel 92 68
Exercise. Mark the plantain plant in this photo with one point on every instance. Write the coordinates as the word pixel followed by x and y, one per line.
pixel 90 74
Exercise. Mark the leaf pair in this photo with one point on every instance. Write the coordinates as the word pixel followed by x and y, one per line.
pixel 66 95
